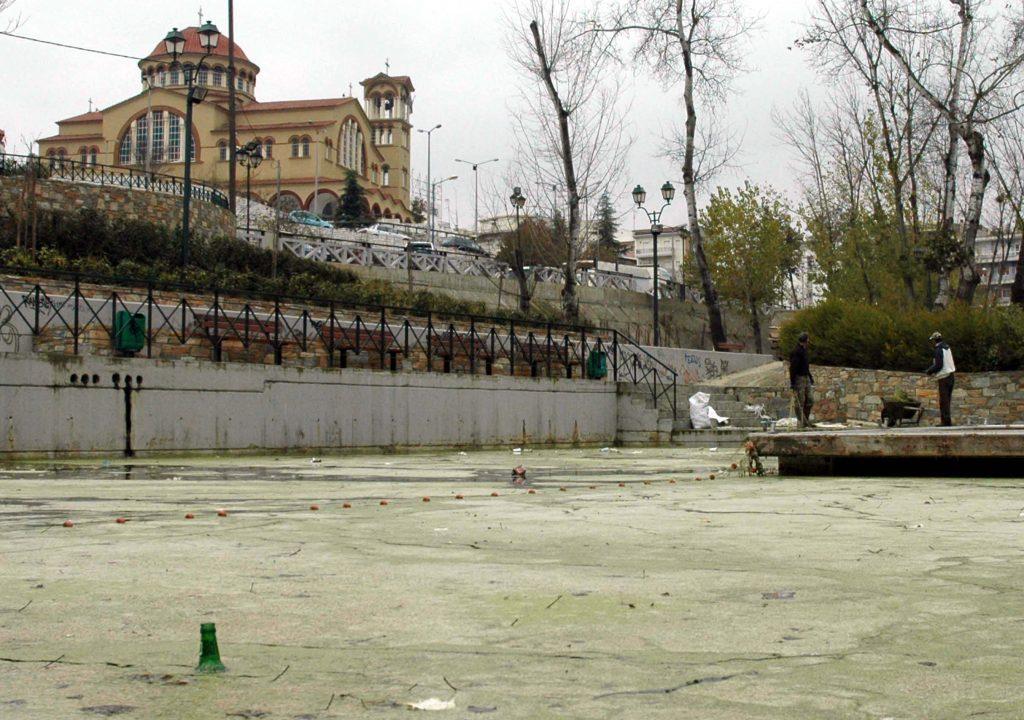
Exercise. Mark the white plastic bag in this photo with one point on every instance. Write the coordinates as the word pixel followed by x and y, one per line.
pixel 702 415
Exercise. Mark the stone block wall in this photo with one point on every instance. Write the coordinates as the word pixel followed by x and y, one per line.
pixel 995 398
pixel 207 219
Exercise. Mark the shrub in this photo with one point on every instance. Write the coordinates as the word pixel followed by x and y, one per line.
pixel 866 336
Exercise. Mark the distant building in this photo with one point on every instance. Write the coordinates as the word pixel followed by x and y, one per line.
pixel 673 249
pixel 316 141
pixel 996 257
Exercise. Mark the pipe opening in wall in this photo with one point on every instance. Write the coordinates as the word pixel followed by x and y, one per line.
pixel 95 379
pixel 116 379
pixel 138 380
pixel 74 379
pixel 85 379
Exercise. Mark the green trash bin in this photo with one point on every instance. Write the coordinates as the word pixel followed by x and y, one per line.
pixel 597 365
pixel 129 331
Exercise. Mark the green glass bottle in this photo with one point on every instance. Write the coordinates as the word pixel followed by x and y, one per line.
pixel 209 653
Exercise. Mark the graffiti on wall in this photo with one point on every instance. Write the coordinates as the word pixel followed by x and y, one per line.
pixel 697 368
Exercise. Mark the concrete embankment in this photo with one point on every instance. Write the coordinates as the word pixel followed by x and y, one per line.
pixel 67 406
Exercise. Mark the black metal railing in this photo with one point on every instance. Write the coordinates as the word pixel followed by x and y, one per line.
pixel 634 364
pixel 64 168
pixel 75 306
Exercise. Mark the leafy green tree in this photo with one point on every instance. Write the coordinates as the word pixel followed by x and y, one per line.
pixel 419 210
pixel 749 248
pixel 352 209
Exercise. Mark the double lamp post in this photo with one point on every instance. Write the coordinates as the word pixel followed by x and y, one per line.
pixel 209 36
pixel 668 193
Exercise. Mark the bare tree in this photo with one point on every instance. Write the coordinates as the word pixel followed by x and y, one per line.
pixel 11 23
pixel 698 44
pixel 1006 152
pixel 972 79
pixel 570 131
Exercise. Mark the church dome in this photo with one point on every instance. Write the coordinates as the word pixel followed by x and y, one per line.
pixel 193 47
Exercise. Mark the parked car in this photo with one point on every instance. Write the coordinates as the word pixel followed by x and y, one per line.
pixel 465 245
pixel 304 217
pixel 377 234
pixel 421 246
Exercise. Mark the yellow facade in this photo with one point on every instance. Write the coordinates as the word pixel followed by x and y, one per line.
pixel 314 143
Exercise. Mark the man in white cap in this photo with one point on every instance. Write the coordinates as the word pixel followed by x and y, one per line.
pixel 943 369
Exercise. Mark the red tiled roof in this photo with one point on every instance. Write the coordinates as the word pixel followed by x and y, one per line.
pixel 192 45
pixel 397 79
pixel 300 125
pixel 94 116
pixel 254 106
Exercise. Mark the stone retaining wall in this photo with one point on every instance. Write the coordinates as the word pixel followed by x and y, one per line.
pixel 855 394
pixel 208 220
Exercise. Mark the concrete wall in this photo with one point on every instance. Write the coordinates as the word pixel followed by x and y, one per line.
pixel 697 366
pixel 199 406
pixel 57 195
pixel 856 394
pixel 683 324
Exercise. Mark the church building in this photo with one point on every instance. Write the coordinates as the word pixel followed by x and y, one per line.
pixel 315 142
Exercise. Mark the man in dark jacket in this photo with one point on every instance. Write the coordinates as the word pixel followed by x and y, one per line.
pixel 943 369
pixel 801 382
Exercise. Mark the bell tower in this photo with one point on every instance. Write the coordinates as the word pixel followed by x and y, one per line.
pixel 388 103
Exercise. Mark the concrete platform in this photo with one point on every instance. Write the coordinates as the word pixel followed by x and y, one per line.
pixel 985 451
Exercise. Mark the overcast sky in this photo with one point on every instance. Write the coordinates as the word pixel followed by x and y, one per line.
pixel 452 49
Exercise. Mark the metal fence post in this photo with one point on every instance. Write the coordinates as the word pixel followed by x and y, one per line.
pixel 277 331
pixel 615 355
pixel 430 340
pixel 512 348
pixel 383 324
pixel 149 320
pixel 472 346
pixel 78 294
pixel 216 326
pixel 330 342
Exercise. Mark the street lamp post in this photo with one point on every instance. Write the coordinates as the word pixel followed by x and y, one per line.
pixel 209 36
pixel 433 190
pixel 430 187
pixel 668 193
pixel 476 192
pixel 518 201
pixel 250 156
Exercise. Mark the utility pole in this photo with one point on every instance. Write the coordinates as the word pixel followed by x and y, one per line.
pixel 430 186
pixel 232 135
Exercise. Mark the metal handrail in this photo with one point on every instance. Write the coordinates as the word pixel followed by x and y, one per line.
pixel 644 369
pixel 64 168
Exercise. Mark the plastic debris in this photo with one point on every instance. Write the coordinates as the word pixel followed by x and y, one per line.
pixel 315 461
pixel 702 415
pixel 779 595
pixel 517 451
pixel 432 704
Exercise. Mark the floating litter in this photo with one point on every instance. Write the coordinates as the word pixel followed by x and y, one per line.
pixel 347 505
pixel 190 516
pixel 383 502
pixel 531 492
pixel 426 499
pixel 314 507
pixel 68 523
pixel 459 497
pixel 121 521
pixel 494 494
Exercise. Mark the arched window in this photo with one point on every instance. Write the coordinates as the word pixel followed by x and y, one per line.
pixel 161 78
pixel 305 146
pixel 239 83
pixel 93 155
pixel 222 149
pixel 268 148
pixel 391 137
pixel 204 76
pixel 385 175
pixel 187 73
pixel 218 76
pixel 165 137
pixel 83 154
pixel 295 146
pixel 175 78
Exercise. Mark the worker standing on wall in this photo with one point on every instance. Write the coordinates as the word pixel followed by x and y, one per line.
pixel 943 369
pixel 801 381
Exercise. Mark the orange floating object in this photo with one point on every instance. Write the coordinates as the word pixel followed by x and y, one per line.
pixel 68 523
pixel 383 502
pixel 698 478
pixel 671 482
pixel 561 489
pixel 347 505
pixel 533 492
pixel 711 476
pixel 426 499
pixel 460 497
pixel 622 484
pixel 734 466
pixel 121 521
pixel 314 507
pixel 190 516
pixel 222 513
pixel 494 494
pixel 647 482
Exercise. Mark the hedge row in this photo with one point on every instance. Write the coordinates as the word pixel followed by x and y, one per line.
pixel 90 243
pixel 857 335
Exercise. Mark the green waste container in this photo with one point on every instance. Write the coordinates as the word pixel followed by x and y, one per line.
pixel 129 331
pixel 597 364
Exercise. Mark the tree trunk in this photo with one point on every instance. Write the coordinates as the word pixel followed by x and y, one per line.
pixel 755 325
pixel 570 304
pixel 970 278
pixel 715 322
pixel 946 209
pixel 521 280
pixel 1017 290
